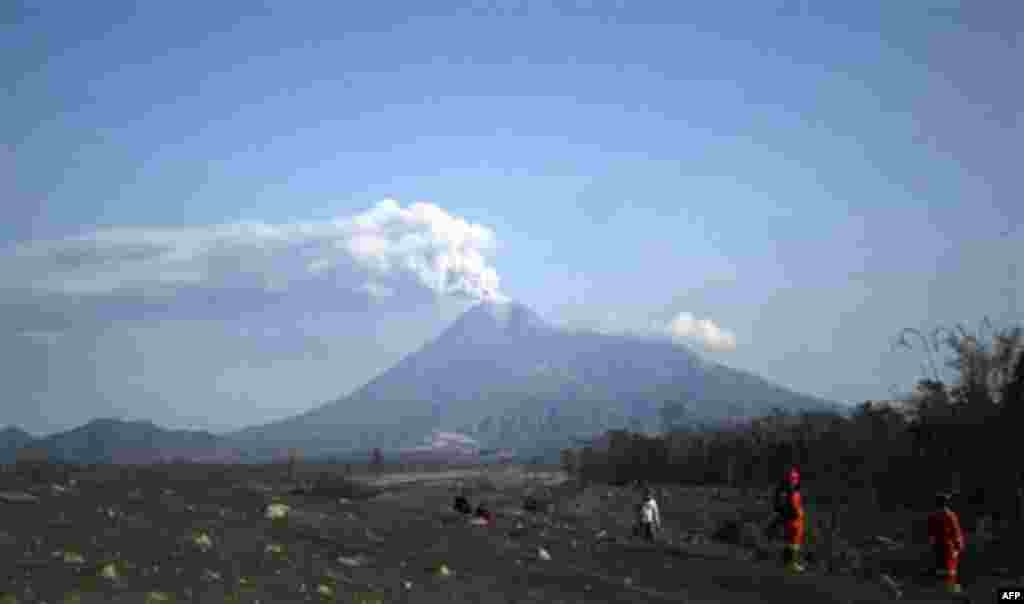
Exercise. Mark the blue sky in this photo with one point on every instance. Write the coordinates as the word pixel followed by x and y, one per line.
pixel 809 178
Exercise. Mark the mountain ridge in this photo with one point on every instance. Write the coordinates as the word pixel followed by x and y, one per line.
pixel 13 438
pixel 109 440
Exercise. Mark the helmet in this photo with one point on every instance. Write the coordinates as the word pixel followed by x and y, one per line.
pixel 793 476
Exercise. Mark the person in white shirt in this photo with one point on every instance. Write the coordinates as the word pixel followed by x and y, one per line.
pixel 650 518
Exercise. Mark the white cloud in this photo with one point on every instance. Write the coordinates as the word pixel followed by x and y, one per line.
pixel 705 331
pixel 388 251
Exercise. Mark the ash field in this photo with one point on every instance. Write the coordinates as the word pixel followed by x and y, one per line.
pixel 200 533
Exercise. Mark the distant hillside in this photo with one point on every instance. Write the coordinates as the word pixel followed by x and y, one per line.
pixel 117 441
pixel 505 377
pixel 11 439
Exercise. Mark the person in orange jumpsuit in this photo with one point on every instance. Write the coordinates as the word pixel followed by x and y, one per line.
pixel 947 541
pixel 789 506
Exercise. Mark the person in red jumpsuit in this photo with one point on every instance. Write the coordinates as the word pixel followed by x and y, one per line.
pixel 790 510
pixel 947 541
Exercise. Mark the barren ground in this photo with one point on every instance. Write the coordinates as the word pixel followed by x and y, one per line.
pixel 383 543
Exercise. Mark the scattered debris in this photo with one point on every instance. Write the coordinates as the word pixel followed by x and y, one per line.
pixel 300 489
pixel 353 561
pixel 210 576
pixel 543 554
pixel 109 571
pixel 276 511
pixel 892 586
pixel 881 541
pixel 202 541
pixel 17 497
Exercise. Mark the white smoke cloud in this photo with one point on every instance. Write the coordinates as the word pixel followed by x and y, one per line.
pixel 705 331
pixel 388 251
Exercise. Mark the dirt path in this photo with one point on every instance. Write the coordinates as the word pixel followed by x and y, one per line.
pixel 509 477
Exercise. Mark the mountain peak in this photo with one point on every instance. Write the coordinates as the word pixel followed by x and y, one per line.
pixel 507 317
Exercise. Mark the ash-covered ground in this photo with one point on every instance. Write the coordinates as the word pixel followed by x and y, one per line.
pixel 195 533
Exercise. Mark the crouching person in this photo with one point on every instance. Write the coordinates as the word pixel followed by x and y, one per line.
pixel 461 505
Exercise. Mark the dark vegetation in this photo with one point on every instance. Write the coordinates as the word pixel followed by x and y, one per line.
pixel 957 434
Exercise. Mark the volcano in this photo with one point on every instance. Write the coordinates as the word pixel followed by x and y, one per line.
pixel 509 378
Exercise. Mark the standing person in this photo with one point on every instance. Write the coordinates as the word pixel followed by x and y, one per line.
pixel 790 513
pixel 650 517
pixel 947 541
